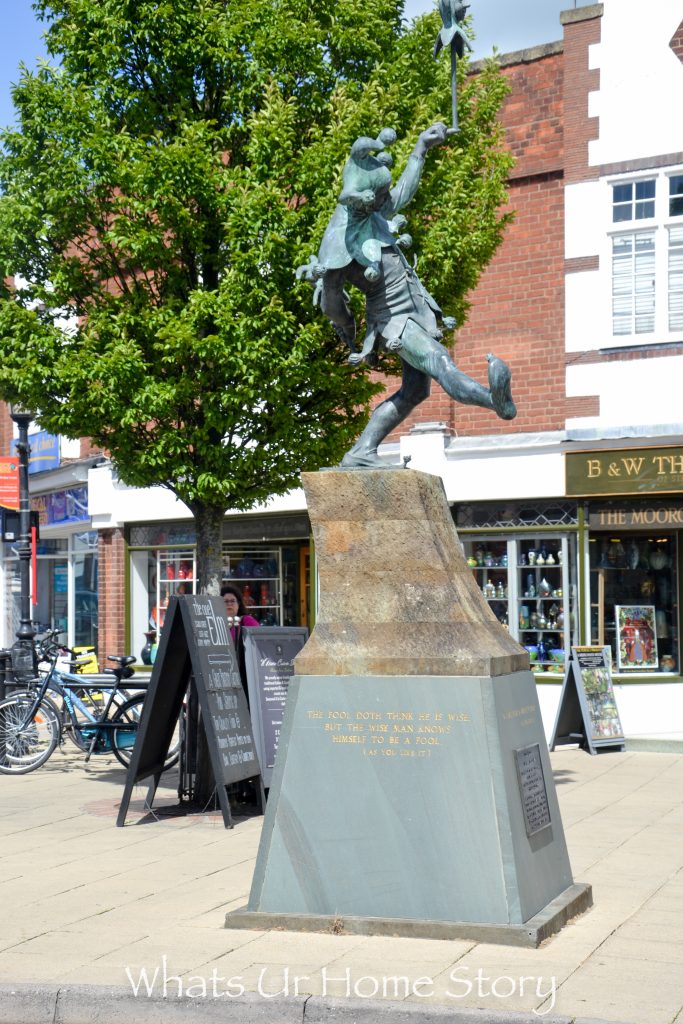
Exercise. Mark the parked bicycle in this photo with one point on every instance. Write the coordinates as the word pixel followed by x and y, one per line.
pixel 34 722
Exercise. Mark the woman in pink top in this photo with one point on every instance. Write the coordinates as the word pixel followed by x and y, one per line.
pixel 234 609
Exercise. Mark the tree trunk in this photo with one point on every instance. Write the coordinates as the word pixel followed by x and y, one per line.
pixel 208 520
pixel 209 528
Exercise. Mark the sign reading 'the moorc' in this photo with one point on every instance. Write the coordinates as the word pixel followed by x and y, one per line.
pixel 625 471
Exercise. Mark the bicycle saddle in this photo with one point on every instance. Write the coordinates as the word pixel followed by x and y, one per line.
pixel 124 660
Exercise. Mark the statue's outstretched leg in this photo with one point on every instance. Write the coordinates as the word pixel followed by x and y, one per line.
pixel 388 414
pixel 425 353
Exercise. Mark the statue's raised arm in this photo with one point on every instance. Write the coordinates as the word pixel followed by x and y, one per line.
pixel 408 183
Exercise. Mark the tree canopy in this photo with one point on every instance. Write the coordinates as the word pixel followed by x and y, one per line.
pixel 164 178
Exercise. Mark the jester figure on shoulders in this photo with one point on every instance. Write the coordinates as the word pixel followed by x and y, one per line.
pixel 363 246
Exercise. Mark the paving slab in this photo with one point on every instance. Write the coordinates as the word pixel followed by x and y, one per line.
pixel 84 901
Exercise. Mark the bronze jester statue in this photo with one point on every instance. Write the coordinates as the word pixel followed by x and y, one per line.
pixel 362 246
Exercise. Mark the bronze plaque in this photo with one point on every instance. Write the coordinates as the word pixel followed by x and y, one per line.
pixel 532 788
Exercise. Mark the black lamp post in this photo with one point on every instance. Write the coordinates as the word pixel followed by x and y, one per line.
pixel 23 658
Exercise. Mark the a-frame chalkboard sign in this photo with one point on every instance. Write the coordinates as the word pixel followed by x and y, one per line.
pixel 195 642
pixel 587 713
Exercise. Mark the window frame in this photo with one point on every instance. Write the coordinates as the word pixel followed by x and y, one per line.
pixel 659 225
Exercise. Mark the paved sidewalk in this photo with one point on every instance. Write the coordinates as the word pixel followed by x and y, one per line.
pixel 86 903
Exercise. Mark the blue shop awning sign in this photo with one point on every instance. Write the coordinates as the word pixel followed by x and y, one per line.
pixel 44 451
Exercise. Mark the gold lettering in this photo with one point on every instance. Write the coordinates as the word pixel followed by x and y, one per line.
pixel 637 517
pixel 660 460
pixel 613 470
pixel 632 466
pixel 518 712
pixel 594 468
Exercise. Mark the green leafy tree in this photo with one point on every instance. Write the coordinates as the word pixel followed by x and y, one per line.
pixel 163 180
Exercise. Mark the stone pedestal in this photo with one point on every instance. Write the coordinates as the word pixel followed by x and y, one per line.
pixel 413 792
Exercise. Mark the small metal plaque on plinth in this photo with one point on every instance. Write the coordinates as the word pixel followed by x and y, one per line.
pixel 532 789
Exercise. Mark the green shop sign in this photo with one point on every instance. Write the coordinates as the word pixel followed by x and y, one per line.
pixel 624 471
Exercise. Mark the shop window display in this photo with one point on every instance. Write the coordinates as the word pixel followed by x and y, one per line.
pixel 66 591
pixel 543 615
pixel 268 577
pixel 256 574
pixel 634 600
pixel 489 562
pixel 526 582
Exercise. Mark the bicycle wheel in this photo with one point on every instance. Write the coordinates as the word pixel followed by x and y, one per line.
pixel 24 746
pixel 123 738
pixel 47 704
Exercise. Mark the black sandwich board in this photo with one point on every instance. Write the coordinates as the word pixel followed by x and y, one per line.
pixel 269 653
pixel 195 642
pixel 588 713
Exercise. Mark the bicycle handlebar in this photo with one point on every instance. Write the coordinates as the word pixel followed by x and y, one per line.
pixel 48 648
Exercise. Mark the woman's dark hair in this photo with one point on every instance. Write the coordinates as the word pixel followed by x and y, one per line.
pixel 227 588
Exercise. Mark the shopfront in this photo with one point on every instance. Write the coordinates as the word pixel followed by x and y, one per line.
pixel 65 573
pixel 524 558
pixel 265 558
pixel 633 508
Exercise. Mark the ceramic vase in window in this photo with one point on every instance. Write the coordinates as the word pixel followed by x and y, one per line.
pixel 658 559
pixel 146 652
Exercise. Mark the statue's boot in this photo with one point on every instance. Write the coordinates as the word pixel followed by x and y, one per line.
pixel 499 386
pixel 364 460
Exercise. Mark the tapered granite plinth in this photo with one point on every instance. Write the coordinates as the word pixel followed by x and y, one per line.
pixel 412 791
pixel 396 594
